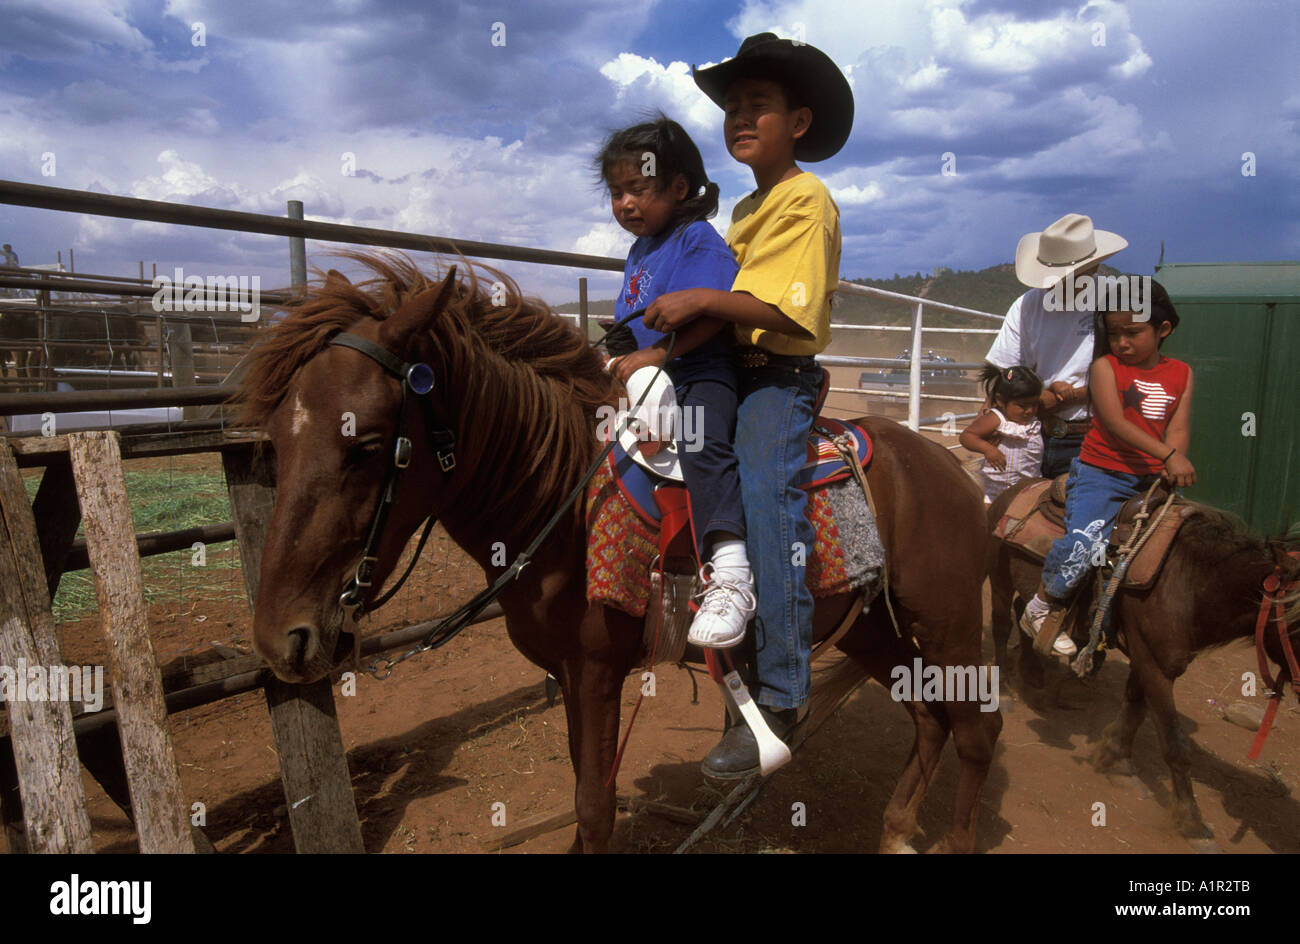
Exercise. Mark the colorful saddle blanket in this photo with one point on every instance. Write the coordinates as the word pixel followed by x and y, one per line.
pixel 1036 518
pixel 823 465
pixel 624 517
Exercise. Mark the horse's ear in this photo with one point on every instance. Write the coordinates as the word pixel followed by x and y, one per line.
pixel 417 314
pixel 335 276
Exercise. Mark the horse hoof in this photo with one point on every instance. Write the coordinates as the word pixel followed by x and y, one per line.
pixel 1193 829
pixel 896 845
pixel 1107 760
pixel 1205 846
pixel 1121 767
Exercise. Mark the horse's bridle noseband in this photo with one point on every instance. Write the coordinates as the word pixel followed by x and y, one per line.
pixel 416 378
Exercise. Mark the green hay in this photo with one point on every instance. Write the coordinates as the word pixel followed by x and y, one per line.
pixel 162 501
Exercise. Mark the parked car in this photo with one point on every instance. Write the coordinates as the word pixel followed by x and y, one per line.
pixel 936 379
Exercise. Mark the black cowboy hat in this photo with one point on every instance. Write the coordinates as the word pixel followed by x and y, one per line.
pixel 811 74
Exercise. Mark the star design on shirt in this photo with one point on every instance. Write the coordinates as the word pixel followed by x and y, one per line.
pixel 1133 397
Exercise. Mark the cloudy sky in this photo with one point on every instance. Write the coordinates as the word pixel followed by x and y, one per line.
pixel 479 121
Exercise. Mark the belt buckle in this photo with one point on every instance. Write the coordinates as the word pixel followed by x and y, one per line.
pixel 1058 428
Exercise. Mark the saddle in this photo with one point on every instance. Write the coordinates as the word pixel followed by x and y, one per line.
pixel 641 549
pixel 1036 518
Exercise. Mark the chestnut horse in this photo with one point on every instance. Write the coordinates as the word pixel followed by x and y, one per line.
pixel 522 389
pixel 1207 594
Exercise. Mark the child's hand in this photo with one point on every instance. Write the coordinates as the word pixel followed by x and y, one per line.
pixel 1063 391
pixel 1179 471
pixel 671 311
pixel 996 458
pixel 625 366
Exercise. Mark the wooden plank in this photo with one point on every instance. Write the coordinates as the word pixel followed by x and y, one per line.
pixel 181 346
pixel 34 451
pixel 58 516
pixel 250 479
pixel 37 450
pixel 531 828
pixel 313 764
pixel 45 753
pixel 668 811
pixel 314 768
pixel 11 800
pixel 161 814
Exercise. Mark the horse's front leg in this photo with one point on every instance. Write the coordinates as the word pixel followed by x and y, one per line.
pixel 592 679
pixel 1002 594
pixel 1117 740
pixel 1177 749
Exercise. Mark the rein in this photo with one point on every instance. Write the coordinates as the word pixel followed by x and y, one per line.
pixel 1273 593
pixel 1083 663
pixel 418 379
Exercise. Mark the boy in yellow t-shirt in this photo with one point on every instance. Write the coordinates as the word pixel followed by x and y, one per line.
pixel 783 101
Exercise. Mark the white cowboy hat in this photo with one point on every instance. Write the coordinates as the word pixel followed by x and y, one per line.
pixel 1043 259
pixel 652 424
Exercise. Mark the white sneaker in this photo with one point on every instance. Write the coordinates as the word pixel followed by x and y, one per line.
pixel 1064 645
pixel 1034 620
pixel 726 607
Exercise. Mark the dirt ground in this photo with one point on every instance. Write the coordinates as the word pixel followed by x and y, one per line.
pixel 452 733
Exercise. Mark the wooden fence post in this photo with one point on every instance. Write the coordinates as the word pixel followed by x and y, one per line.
pixel 161 815
pixel 183 375
pixel 313 764
pixel 45 752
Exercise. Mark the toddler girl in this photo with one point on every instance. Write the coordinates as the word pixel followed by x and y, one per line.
pixel 1009 436
pixel 660 193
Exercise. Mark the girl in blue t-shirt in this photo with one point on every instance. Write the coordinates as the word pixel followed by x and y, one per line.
pixel 660 193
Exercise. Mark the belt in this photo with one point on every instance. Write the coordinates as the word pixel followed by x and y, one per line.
pixel 1059 429
pixel 750 356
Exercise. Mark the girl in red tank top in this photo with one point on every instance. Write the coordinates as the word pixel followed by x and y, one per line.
pixel 1148 400
pixel 1142 409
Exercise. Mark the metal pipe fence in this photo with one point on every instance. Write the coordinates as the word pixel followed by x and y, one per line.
pixel 298 229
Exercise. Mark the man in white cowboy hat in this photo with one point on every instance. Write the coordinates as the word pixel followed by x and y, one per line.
pixel 1054 340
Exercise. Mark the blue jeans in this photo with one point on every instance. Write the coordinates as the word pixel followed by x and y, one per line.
pixel 1059 452
pixel 709 463
pixel 775 415
pixel 1093 498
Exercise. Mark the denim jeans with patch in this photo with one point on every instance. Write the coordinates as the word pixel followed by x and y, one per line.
pixel 1093 498
pixel 775 415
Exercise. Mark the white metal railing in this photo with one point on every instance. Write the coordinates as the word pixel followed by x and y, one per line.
pixel 915 330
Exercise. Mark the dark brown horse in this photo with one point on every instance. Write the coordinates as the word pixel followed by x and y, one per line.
pixel 522 390
pixel 1207 594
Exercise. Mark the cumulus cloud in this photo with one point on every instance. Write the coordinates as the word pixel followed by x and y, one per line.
pixel 645 84
pixel 407 116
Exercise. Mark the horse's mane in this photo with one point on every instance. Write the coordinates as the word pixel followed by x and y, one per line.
pixel 524 384
pixel 1216 541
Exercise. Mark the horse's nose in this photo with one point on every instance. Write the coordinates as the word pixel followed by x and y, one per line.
pixel 302 642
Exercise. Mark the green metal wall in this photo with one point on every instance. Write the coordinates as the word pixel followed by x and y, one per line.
pixel 1240 332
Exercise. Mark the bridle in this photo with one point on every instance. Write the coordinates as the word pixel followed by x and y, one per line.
pixel 1274 591
pixel 417 379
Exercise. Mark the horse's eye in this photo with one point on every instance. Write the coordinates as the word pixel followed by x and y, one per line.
pixel 365 450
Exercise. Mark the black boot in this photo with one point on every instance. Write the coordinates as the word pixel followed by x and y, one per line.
pixel 735 757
